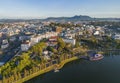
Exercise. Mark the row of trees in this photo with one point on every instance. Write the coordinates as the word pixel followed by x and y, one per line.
pixel 29 72
pixel 19 63
pixel 103 43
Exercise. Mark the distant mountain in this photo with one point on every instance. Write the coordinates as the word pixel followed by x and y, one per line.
pixel 80 18
pixel 73 19
pixel 63 19
pixel 108 19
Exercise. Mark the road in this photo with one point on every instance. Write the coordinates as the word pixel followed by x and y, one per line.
pixel 9 54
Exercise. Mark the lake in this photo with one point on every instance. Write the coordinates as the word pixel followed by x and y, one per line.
pixel 106 70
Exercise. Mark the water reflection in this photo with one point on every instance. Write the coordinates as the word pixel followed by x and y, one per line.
pixel 106 70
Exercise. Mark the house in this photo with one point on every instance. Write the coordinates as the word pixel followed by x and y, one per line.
pixel 25 45
pixel 5 44
pixel 50 34
pixel 53 44
pixel 52 41
pixel 58 29
pixel 72 41
pixel 96 33
pixel 34 40
pixel 4 41
pixel 80 33
pixel 46 55
pixel 12 39
pixel 24 37
pixel 116 36
pixel 39 37
pixel 45 52
pixel 53 38
pixel 69 35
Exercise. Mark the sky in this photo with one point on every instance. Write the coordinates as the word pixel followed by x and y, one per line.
pixel 59 8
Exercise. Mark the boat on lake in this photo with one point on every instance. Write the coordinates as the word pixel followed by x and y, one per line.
pixel 56 70
pixel 96 57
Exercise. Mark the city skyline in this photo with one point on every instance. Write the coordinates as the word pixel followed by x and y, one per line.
pixel 59 8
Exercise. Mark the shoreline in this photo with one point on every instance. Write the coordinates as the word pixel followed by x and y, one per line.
pixel 48 69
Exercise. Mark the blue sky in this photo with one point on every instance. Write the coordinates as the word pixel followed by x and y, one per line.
pixel 58 8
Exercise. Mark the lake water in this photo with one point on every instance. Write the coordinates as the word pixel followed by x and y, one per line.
pixel 106 70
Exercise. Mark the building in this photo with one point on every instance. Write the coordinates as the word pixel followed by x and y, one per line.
pixel 5 44
pixel 69 35
pixel 53 39
pixel 58 29
pixel 34 40
pixel 1 34
pixel 97 33
pixel 116 36
pixel 12 39
pixel 25 46
pixel 24 37
pixel 72 41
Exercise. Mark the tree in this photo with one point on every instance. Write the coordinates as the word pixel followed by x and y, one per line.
pixel 61 44
pixel 25 61
pixel 49 48
pixel 118 46
pixel 15 76
pixel 4 79
pixel 77 44
pixel 19 75
pixel 38 48
pixel 68 47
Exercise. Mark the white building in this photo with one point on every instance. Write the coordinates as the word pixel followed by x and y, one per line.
pixel 81 33
pixel 24 37
pixel 4 41
pixel 117 36
pixel 25 46
pixel 50 34
pixel 5 44
pixel 72 41
pixel 97 33
pixel 12 39
pixel 69 35
pixel 34 40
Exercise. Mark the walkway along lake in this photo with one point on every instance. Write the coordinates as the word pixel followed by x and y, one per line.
pixel 106 70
